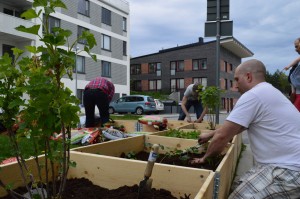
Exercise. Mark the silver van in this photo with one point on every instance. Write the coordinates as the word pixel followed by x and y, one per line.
pixel 137 104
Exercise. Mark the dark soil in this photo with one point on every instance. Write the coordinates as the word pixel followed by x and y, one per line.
pixel 81 188
pixel 181 160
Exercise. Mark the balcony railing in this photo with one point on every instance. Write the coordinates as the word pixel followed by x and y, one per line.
pixel 8 24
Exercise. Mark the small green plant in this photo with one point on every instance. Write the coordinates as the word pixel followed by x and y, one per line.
pixel 131 155
pixel 211 99
pixel 181 134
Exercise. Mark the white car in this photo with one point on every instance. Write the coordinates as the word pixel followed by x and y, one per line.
pixel 159 106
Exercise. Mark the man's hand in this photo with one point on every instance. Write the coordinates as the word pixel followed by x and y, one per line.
pixel 204 137
pixel 198 121
pixel 197 161
pixel 188 118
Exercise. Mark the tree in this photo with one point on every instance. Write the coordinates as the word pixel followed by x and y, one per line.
pixel 279 80
pixel 211 98
pixel 51 107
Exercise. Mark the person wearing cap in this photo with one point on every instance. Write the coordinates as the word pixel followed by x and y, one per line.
pixel 190 98
pixel 98 92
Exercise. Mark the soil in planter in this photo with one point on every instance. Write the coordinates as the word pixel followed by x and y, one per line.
pixel 82 188
pixel 180 160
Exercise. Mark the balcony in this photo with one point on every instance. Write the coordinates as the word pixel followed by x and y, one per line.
pixel 8 24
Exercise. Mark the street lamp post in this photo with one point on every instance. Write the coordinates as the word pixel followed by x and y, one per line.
pixel 76 50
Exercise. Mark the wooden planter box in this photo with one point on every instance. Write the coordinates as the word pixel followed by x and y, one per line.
pixel 112 172
pixel 224 174
pixel 173 124
pixel 134 126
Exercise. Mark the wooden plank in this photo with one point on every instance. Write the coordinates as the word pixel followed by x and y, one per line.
pixel 206 190
pixel 130 126
pixel 226 171
pixel 111 173
pixel 170 143
pixel 173 124
pixel 116 147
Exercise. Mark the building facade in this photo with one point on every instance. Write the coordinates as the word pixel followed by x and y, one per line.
pixel 172 70
pixel 107 20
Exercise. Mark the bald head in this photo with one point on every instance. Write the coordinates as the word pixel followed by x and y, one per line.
pixel 254 66
pixel 249 74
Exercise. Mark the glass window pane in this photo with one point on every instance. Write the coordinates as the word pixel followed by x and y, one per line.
pixel 158 84
pixel 204 64
pixel 195 65
pixel 181 66
pixel 181 83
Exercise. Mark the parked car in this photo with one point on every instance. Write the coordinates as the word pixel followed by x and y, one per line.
pixel 137 104
pixel 159 106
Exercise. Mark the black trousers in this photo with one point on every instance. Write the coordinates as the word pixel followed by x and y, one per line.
pixel 197 108
pixel 92 98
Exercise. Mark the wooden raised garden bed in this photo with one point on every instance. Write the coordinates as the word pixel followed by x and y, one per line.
pixel 111 173
pixel 225 170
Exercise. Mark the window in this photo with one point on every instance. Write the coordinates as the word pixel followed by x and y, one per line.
pixel 8 49
pixel 80 95
pixel 137 85
pixel 80 62
pixel 79 33
pixel 124 24
pixel 173 68
pixel 155 85
pixel 177 84
pixel 52 23
pixel 226 84
pixel 178 65
pixel 124 48
pixel 106 42
pixel 106 16
pixel 155 68
pixel 225 66
pixel 201 80
pixel 135 69
pixel 199 64
pixel 106 69
pixel 231 67
pixel 84 7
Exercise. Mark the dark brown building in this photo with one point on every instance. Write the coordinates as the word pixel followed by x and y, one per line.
pixel 172 70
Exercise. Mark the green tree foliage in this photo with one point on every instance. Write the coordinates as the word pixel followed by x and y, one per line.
pixel 279 80
pixel 211 99
pixel 50 107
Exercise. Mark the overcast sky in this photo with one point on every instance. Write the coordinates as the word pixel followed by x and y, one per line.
pixel 266 27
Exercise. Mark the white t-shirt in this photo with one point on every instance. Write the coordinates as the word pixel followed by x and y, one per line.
pixel 189 93
pixel 273 125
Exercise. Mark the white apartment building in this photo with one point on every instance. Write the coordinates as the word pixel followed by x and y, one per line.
pixel 108 20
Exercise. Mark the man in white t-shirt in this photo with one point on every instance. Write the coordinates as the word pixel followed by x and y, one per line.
pixel 273 126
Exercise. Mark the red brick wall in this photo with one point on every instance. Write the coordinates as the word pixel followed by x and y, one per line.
pixel 222 65
pixel 145 85
pixel 187 82
pixel 145 68
pixel 188 65
pixel 222 83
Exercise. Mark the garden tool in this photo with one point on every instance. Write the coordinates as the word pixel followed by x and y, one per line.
pixel 146 184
